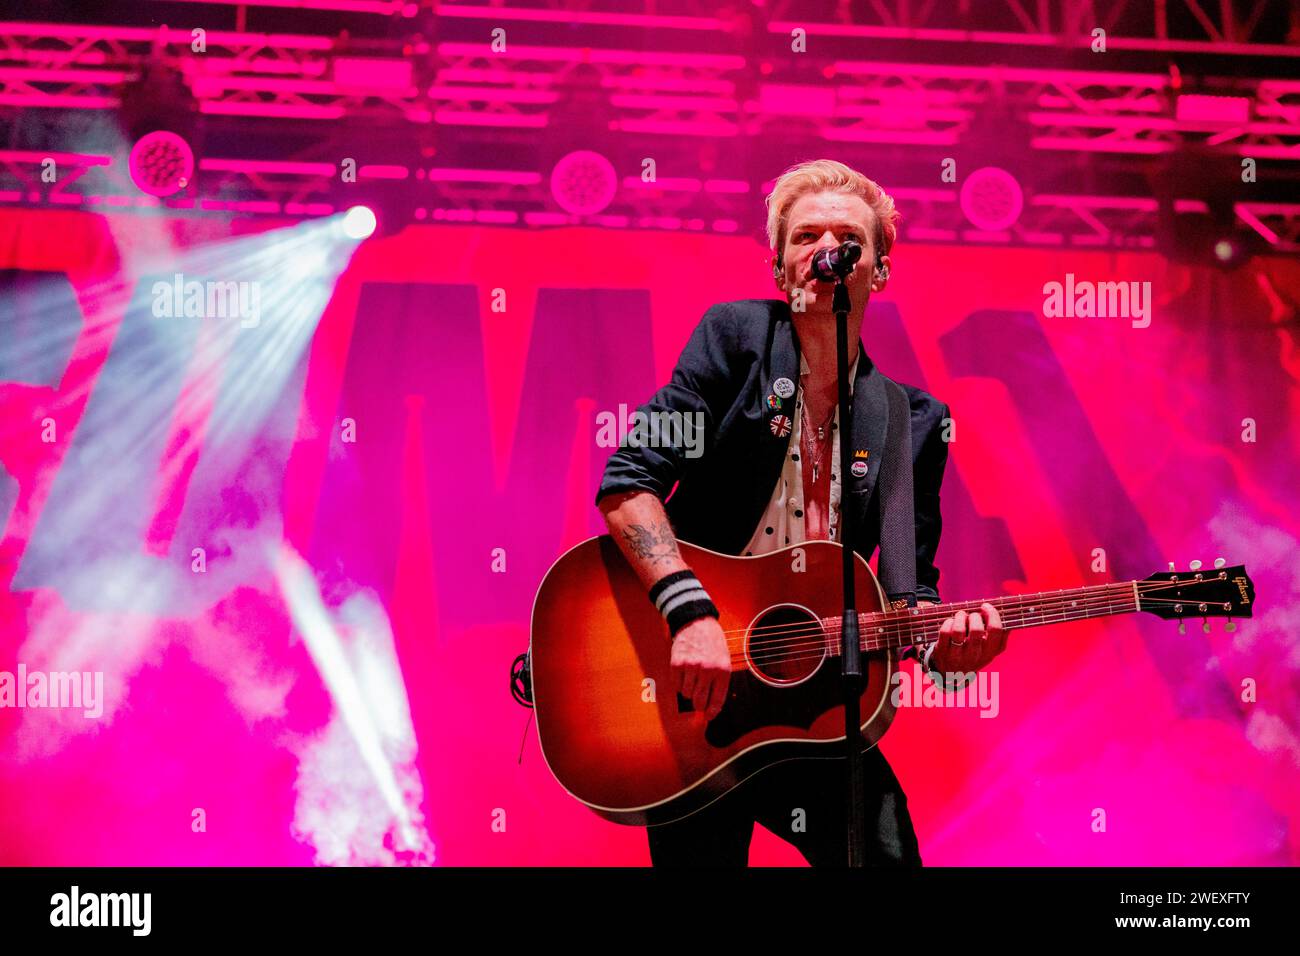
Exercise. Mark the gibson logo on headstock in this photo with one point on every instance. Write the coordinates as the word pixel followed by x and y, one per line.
pixel 1241 586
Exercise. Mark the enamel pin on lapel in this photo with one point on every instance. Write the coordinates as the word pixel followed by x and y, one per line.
pixel 783 387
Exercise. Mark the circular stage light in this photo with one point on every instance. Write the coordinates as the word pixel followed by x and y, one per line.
pixel 359 222
pixel 584 182
pixel 161 163
pixel 1232 250
pixel 992 199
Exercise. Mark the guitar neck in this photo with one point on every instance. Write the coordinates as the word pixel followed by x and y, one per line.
pixel 892 629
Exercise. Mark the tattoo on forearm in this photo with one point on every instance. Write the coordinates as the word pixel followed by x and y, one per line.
pixel 656 544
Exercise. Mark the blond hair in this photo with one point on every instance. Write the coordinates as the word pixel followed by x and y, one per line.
pixel 827 175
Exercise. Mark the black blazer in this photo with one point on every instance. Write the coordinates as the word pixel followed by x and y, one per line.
pixel 726 371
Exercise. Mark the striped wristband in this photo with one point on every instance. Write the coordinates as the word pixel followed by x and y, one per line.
pixel 681 599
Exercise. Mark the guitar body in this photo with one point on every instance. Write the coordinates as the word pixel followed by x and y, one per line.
pixel 637 753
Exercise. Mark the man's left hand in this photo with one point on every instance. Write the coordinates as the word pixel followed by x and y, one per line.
pixel 968 641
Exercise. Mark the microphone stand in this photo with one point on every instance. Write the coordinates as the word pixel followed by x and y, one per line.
pixel 851 649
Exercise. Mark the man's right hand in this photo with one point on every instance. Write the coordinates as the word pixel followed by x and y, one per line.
pixel 701 665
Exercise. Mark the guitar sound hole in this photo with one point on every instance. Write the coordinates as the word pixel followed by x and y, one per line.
pixel 786 644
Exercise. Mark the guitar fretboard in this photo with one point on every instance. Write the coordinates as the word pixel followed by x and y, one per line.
pixel 920 625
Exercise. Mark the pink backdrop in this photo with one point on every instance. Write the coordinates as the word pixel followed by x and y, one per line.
pixel 396 740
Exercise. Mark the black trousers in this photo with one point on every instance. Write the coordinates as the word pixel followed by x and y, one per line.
pixel 804 803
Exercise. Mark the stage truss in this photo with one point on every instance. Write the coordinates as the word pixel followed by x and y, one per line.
pixel 440 124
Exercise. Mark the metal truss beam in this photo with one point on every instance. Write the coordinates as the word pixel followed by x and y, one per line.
pixel 1221 27
pixel 497 196
pixel 627 76
pixel 645 92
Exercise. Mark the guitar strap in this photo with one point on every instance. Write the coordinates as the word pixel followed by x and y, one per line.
pixel 897 564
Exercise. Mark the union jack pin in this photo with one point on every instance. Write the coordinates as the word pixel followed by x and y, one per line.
pixel 780 425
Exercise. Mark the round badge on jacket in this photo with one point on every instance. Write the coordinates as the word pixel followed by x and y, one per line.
pixel 783 387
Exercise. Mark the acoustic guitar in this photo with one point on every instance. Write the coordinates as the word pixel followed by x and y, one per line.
pixel 619 738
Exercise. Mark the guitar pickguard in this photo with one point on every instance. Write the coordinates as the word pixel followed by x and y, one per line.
pixel 753 703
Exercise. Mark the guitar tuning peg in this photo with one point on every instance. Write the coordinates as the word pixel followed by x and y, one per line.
pixel 1230 626
pixel 1171 566
pixel 1195 565
pixel 1219 562
pixel 1182 627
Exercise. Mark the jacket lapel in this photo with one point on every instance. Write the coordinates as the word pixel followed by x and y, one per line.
pixel 780 375
pixel 870 424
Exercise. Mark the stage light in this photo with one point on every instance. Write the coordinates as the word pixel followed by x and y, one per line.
pixel 1212 234
pixel 161 163
pixel 359 222
pixel 584 182
pixel 1233 250
pixel 992 199
pixel 159 113
pixel 1199 238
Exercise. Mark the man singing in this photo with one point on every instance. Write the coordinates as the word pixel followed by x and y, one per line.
pixel 762 373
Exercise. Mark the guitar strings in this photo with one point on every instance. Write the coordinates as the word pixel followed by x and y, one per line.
pixel 823 646
pixel 1017 614
pixel 1010 603
pixel 1016 609
pixel 775 651
pixel 908 623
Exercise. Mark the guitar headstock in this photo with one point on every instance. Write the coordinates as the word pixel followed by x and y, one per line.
pixel 1218 592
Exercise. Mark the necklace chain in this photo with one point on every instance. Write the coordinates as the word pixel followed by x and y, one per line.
pixel 820 449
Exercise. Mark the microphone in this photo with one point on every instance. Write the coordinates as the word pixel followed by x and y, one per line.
pixel 831 264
